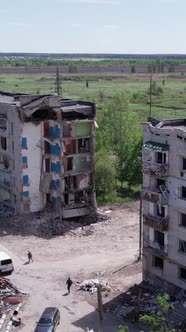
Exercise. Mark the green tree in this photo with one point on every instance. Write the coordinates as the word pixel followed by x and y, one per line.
pixel 160 322
pixel 72 68
pixel 156 89
pixel 119 134
pixel 132 168
pixel 105 176
pixel 123 329
pixel 133 69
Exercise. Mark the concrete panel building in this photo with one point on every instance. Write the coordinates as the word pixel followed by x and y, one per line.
pixel 47 154
pixel 164 204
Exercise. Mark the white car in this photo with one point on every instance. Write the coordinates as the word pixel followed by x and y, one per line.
pixel 6 264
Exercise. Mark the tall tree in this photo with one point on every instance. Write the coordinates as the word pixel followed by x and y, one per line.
pixel 120 135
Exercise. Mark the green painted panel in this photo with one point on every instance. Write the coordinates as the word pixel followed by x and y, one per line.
pixel 83 129
pixel 81 163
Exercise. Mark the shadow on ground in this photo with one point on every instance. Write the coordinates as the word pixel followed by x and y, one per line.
pixel 112 317
pixel 42 226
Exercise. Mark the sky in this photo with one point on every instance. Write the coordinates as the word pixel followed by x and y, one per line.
pixel 93 26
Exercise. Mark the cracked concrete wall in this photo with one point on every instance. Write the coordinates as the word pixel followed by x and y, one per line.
pixel 176 205
pixel 12 134
pixel 33 152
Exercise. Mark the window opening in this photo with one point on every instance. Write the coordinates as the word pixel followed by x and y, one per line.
pixel 161 211
pixel 160 182
pixel 83 145
pixel 3 143
pixel 48 198
pixel 184 163
pixel 47 147
pixel 47 165
pixel 158 262
pixel 46 129
pixel 182 273
pixel 69 164
pixel 184 192
pixel 183 219
pixel 161 158
pixel 182 246
pixel 159 238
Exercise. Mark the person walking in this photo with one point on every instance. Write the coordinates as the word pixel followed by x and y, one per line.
pixel 29 254
pixel 69 283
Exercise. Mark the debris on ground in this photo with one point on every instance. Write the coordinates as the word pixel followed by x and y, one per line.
pixel 91 285
pixel 11 299
pixel 140 300
pixel 9 294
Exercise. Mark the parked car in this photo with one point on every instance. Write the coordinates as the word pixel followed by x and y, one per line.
pixel 6 264
pixel 49 320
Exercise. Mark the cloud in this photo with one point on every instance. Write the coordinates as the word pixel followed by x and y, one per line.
pixel 3 11
pixel 92 2
pixel 19 24
pixel 169 1
pixel 111 26
pixel 77 25
pixel 101 2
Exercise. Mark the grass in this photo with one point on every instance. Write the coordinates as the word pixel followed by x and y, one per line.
pixel 101 88
pixel 121 195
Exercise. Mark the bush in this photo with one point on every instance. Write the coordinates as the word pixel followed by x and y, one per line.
pixel 105 177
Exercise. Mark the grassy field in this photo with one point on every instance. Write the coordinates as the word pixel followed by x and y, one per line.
pixel 103 87
pixel 170 104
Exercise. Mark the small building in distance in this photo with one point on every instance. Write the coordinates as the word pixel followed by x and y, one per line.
pixel 164 204
pixel 47 154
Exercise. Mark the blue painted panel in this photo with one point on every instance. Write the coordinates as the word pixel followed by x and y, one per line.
pixel 58 184
pixel 51 131
pixel 54 200
pixel 24 143
pixel 26 194
pixel 54 131
pixel 25 180
pixel 55 184
pixel 24 160
pixel 55 149
pixel 57 131
pixel 55 167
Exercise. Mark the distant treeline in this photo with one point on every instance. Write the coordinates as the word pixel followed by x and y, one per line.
pixel 91 56
pixel 157 64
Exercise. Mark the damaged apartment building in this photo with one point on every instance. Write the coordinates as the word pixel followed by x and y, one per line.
pixel 164 204
pixel 47 154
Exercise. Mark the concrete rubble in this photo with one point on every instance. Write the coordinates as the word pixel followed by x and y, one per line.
pixel 90 285
pixel 11 300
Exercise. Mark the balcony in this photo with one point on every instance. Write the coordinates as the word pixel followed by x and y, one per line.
pixel 161 224
pixel 156 195
pixel 157 248
pixel 155 168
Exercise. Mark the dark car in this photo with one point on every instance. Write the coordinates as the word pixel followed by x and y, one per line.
pixel 49 320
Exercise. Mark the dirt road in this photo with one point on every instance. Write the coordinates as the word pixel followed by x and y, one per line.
pixel 107 246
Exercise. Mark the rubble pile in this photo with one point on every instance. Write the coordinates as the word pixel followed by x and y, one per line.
pixel 54 227
pixel 136 302
pixel 9 295
pixel 90 285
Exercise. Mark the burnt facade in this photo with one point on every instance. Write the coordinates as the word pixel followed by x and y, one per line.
pixel 164 204
pixel 47 154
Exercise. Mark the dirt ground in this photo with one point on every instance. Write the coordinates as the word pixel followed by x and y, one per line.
pixel 110 246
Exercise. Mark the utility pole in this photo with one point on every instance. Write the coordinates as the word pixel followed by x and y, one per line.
pixel 58 88
pixel 140 228
pixel 150 91
pixel 100 308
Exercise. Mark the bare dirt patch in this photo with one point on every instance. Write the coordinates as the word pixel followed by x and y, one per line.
pixel 110 246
